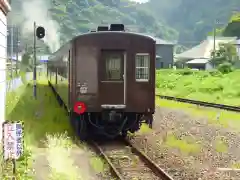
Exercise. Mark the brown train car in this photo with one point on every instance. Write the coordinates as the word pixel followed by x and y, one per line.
pixel 106 80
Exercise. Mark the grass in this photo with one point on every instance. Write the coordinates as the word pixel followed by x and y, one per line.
pixel 236 165
pixel 40 117
pixel 183 145
pixel 12 99
pixel 43 113
pixel 97 164
pixel 207 86
pixel 144 129
pixel 46 126
pixel 61 167
pixel 186 146
pixel 221 147
pixel 223 118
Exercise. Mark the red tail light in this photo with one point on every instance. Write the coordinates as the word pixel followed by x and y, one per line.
pixel 79 108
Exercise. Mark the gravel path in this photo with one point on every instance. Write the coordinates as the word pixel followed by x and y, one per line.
pixel 189 148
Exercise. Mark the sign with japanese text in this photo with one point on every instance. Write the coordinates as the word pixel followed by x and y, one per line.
pixel 12 140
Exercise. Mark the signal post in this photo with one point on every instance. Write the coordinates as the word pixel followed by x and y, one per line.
pixel 39 32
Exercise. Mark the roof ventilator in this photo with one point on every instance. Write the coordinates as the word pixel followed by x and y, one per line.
pixel 117 27
pixel 102 28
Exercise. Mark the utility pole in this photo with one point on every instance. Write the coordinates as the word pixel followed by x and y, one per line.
pixel 34 63
pixel 11 54
pixel 16 68
pixel 214 39
pixel 216 22
pixel 39 32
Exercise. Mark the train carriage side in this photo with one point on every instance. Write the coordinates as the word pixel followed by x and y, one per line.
pixel 114 79
pixel 59 71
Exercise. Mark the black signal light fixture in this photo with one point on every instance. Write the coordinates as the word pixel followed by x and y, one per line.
pixel 40 32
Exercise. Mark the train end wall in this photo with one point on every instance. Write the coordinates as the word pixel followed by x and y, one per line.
pixel 86 76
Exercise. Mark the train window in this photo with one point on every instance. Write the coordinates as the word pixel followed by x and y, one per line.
pixel 113 67
pixel 142 67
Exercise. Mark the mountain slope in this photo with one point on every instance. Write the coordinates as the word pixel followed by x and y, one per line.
pixel 193 19
pixel 80 15
pixel 77 16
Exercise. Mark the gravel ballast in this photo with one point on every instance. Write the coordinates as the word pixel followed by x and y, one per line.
pixel 190 148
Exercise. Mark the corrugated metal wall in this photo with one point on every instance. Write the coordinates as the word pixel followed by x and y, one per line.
pixel 3 60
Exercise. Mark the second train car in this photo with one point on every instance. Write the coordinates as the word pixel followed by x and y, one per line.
pixel 106 80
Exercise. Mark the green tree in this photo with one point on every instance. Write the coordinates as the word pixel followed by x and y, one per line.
pixel 191 18
pixel 79 16
pixel 225 57
pixel 233 26
pixel 219 32
pixel 25 66
pixel 26 59
pixel 232 29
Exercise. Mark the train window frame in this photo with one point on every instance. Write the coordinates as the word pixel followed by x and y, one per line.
pixel 142 67
pixel 109 58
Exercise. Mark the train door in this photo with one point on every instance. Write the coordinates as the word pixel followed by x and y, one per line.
pixel 112 67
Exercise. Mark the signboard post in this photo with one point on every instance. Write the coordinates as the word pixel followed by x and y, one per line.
pixel 12 142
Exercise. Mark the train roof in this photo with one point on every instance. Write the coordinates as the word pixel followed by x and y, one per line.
pixel 67 45
pixel 115 32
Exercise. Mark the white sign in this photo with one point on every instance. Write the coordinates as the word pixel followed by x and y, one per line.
pixel 12 140
pixel 83 87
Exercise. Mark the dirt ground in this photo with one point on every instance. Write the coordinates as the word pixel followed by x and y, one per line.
pixel 190 148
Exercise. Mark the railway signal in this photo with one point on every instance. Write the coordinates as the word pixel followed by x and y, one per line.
pixel 40 32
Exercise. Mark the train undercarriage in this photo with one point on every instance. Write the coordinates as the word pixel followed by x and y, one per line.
pixel 107 124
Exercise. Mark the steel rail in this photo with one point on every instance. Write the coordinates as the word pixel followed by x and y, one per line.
pixel 113 170
pixel 202 103
pixel 147 161
pixel 151 164
pixel 143 157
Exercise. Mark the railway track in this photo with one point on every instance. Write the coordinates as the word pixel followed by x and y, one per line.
pixel 127 162
pixel 202 103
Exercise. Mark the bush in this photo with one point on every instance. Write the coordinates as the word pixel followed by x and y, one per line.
pixel 186 71
pixel 225 68
pixel 211 86
pixel 215 73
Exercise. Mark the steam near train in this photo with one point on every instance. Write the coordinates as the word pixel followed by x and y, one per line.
pixel 106 80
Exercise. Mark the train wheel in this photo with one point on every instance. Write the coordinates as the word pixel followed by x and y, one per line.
pixel 81 127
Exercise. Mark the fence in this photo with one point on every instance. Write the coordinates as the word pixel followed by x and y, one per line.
pixel 13 84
